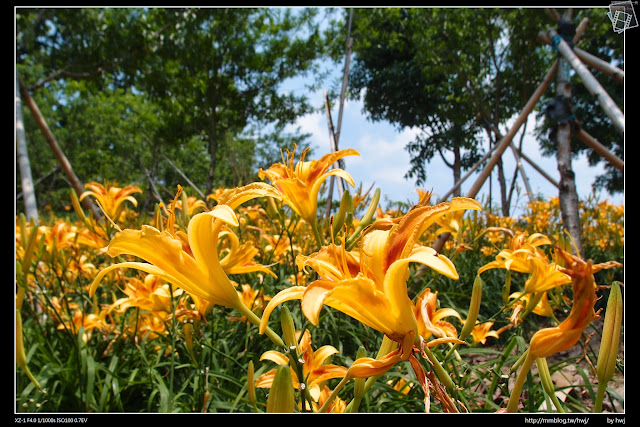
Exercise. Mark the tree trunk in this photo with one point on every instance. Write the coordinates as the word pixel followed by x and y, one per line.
pixel 457 167
pixel 504 204
pixel 60 156
pixel 28 189
pixel 213 144
pixel 567 193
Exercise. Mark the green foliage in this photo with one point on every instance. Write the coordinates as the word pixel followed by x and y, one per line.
pixel 128 86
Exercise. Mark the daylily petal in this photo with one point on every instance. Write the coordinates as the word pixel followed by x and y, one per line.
pixel 294 292
pixel 417 220
pixel 275 356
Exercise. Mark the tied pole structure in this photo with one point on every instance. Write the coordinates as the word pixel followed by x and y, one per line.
pixel 503 144
pixel 604 100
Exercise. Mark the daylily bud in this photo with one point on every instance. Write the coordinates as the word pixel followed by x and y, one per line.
pixel 188 338
pixel 281 397
pixel 76 205
pixel 610 338
pixel 272 209
pixel 288 328
pixel 346 205
pixel 368 216
pixel 359 386
pixel 157 214
pixel 474 309
pixel 251 385
pixel 21 358
pixel 547 383
pixel 185 207
pixel 506 290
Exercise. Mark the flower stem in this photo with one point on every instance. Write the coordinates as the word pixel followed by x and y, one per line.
pixel 333 394
pixel 253 318
pixel 517 388
pixel 316 233
pixel 602 388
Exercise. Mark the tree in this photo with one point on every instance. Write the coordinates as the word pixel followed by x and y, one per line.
pixel 125 88
pixel 451 73
pixel 218 71
pixel 600 41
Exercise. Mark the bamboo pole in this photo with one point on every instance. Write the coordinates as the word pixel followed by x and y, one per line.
pixel 468 174
pixel 26 179
pixel 336 135
pixel 516 155
pixel 503 144
pixel 182 174
pixel 616 161
pixel 590 82
pixel 591 60
pixel 527 159
pixel 538 168
pixel 60 156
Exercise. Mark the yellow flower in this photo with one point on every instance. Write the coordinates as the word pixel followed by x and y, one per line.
pixel 239 258
pixel 300 183
pixel 200 274
pixel 542 307
pixel 482 331
pixel 111 197
pixel 430 318
pixel 194 205
pixel 549 341
pixel 314 369
pixel 149 294
pixel 88 321
pixel 524 256
pixel 254 299
pixel 370 286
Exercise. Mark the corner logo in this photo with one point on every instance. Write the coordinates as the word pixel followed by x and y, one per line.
pixel 622 15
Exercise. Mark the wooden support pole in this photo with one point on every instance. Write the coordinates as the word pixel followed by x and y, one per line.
pixel 184 176
pixel 332 137
pixel 503 144
pixel 516 155
pixel 590 82
pixel 468 174
pixel 60 156
pixel 616 161
pixel 527 159
pixel 336 135
pixel 538 168
pixel 591 60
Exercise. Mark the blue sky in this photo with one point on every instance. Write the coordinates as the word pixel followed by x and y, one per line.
pixel 384 161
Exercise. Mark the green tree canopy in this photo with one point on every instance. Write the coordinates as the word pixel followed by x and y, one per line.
pixel 124 88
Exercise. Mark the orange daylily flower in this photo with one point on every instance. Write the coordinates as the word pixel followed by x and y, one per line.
pixel 194 205
pixel 111 197
pixel 254 299
pixel 370 285
pixel 430 318
pixel 549 341
pixel 300 183
pixel 482 331
pixel 239 258
pixel 524 256
pixel 314 368
pixel 150 294
pixel 542 307
pixel 200 274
